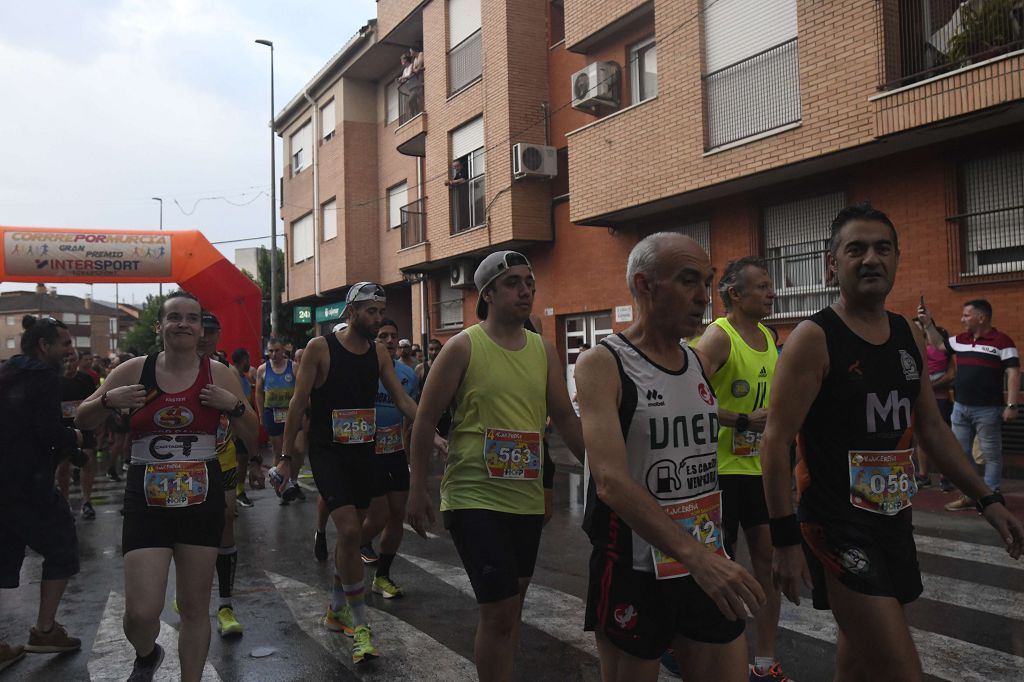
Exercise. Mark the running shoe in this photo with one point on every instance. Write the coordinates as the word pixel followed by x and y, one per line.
pixel 9 655
pixel 227 624
pixel 963 503
pixel 141 672
pixel 945 485
pixel 362 648
pixel 88 513
pixel 670 664
pixel 923 481
pixel 340 620
pixel 369 555
pixel 243 499
pixel 382 585
pixel 290 493
pixel 299 494
pixel 52 642
pixel 112 474
pixel 772 674
pixel 320 545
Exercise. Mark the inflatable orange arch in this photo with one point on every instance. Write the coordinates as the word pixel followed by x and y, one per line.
pixel 185 257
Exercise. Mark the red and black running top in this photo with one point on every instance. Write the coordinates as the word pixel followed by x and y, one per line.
pixel 173 426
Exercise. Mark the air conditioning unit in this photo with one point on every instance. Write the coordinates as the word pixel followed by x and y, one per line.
pixel 533 159
pixel 596 86
pixel 460 276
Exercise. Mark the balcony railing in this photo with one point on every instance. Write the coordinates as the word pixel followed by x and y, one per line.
pixel 465 63
pixel 414 223
pixel 753 96
pixel 466 200
pixel 926 38
pixel 410 99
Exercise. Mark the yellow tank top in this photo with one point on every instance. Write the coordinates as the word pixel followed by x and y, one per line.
pixel 742 385
pixel 494 448
pixel 226 453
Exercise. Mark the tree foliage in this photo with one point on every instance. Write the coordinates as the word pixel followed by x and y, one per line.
pixel 142 338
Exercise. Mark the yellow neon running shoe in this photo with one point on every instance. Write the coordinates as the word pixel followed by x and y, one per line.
pixel 382 585
pixel 340 620
pixel 227 624
pixel 362 648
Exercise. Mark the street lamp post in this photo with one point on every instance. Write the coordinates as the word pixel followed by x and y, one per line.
pixel 161 229
pixel 273 201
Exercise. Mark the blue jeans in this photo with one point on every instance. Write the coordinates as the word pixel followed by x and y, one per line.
pixel 985 422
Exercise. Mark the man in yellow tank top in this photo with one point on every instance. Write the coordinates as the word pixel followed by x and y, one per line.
pixel 740 354
pixel 505 381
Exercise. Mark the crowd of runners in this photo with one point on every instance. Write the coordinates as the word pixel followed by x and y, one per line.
pixel 689 435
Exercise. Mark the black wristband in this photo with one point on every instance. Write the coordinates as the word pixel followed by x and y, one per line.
pixel 990 499
pixel 238 410
pixel 785 531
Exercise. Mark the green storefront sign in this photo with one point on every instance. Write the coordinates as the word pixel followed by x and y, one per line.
pixel 329 312
pixel 302 314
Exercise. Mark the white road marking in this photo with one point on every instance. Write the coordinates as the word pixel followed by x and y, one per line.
pixel 965 594
pixel 112 656
pixel 551 611
pixel 967 551
pixel 404 650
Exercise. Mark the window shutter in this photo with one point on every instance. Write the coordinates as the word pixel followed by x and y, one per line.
pixel 463 20
pixel 468 138
pixel 330 221
pixel 327 122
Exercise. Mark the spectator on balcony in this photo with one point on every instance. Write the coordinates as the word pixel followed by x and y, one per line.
pixel 410 83
pixel 457 181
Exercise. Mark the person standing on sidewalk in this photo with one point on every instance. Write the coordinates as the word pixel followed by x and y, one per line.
pixel 983 356
pixel 76 386
pixel 32 512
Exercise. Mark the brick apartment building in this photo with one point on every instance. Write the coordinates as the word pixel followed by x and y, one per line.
pixel 746 124
pixel 94 326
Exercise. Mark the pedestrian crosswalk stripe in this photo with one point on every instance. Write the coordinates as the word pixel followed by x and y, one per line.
pixel 967 551
pixel 996 601
pixel 405 651
pixel 112 655
pixel 944 657
pixel 551 611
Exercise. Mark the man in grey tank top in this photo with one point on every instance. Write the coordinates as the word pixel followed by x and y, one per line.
pixel 659 574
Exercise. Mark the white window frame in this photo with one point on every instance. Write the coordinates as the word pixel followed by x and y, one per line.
pixel 449 306
pixel 112 321
pixel 302 242
pixel 700 232
pixel 84 319
pixel 328 121
pixel 637 54
pixel 994 214
pixel 69 318
pixel 12 320
pixel 329 219
pixel 83 342
pixel 391 102
pixel 12 343
pixel 297 145
pixel 398 198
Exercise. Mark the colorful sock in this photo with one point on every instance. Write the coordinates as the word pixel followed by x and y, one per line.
pixel 384 564
pixel 337 594
pixel 355 595
pixel 227 561
pixel 762 663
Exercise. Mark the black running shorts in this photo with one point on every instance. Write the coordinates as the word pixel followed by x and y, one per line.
pixel 48 528
pixel 641 615
pixel 146 526
pixel 743 504
pixel 344 478
pixel 865 560
pixel 392 473
pixel 230 479
pixel 496 548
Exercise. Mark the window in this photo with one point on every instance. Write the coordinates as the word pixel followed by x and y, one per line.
pixel 700 232
pixel 752 79
pixel 991 220
pixel 391 102
pixel 465 62
pixel 11 320
pixel 796 240
pixel 83 319
pixel 466 176
pixel 302 238
pixel 301 143
pixel 12 343
pixel 449 306
pixel 398 196
pixel 82 342
pixel 643 70
pixel 327 122
pixel 556 25
pixel 113 326
pixel 330 219
pixel 68 318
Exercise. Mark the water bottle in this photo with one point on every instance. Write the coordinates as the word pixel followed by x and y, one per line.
pixel 276 479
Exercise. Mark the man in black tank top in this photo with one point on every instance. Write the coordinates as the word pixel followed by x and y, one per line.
pixel 854 386
pixel 337 379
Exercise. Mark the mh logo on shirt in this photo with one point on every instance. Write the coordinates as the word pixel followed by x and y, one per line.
pixel 898 408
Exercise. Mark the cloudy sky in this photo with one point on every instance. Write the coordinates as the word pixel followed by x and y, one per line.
pixel 108 103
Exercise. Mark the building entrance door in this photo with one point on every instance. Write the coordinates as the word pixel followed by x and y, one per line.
pixel 587 329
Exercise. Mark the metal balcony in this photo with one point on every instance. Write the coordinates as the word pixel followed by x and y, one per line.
pixel 414 223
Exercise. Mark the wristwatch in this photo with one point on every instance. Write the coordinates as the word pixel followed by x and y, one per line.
pixel 238 410
pixel 742 422
pixel 984 502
